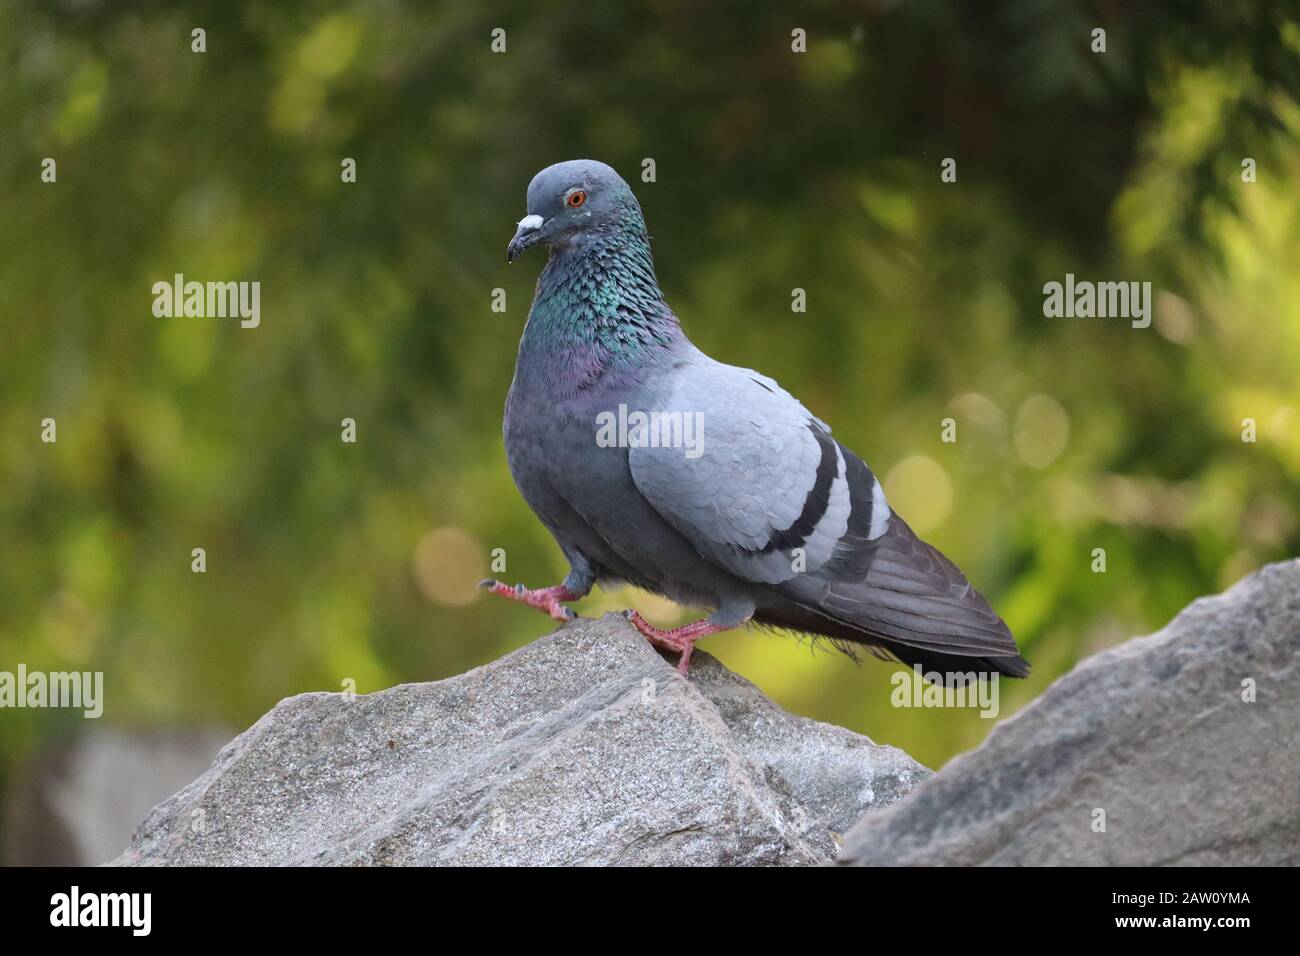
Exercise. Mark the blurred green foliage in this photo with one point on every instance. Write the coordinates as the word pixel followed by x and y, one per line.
pixel 775 170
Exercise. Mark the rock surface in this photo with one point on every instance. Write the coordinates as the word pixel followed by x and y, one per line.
pixel 585 747
pixel 1155 733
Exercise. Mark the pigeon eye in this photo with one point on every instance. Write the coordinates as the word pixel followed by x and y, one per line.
pixel 576 198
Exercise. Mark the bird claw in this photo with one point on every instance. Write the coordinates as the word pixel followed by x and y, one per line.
pixel 546 600
pixel 664 640
pixel 657 637
pixel 680 640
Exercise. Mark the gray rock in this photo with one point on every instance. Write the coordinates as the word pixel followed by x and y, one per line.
pixel 1154 732
pixel 585 747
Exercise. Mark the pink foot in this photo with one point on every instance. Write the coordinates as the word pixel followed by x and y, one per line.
pixel 679 639
pixel 546 600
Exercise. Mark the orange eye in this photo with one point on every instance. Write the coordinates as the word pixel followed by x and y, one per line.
pixel 576 198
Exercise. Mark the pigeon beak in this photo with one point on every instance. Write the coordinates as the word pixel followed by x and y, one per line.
pixel 529 231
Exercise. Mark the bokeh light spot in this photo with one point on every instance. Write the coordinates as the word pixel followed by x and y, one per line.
pixel 448 564
pixel 920 491
pixel 1041 431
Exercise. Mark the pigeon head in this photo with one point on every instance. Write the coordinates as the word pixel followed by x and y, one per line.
pixel 573 203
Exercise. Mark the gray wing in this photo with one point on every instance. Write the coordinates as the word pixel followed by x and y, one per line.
pixel 772 498
pixel 764 492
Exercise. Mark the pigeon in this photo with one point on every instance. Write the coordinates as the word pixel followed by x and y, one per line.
pixel 655 465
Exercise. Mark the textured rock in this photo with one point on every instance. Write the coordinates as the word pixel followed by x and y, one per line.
pixel 1154 732
pixel 585 747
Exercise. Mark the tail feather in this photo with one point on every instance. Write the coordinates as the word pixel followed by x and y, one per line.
pixel 913 604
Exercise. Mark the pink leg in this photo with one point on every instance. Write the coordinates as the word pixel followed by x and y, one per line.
pixel 679 639
pixel 546 600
